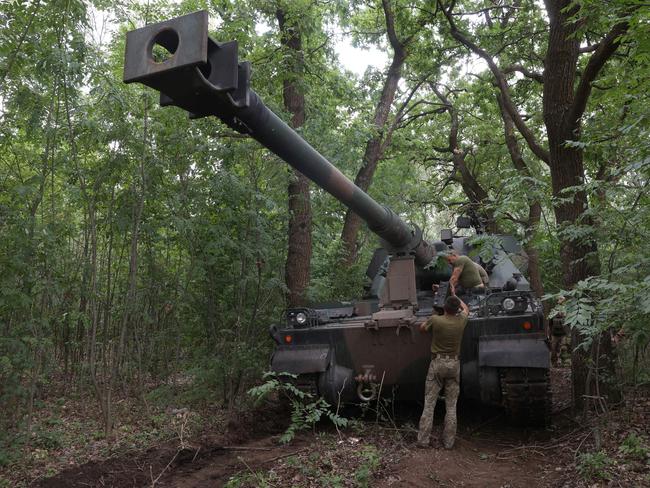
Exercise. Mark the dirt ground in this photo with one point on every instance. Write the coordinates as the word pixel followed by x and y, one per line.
pixel 250 435
pixel 489 453
pixel 486 459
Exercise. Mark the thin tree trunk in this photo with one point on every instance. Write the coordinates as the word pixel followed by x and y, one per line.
pixel 297 270
pixel 371 157
pixel 475 193
pixel 130 298
pixel 534 206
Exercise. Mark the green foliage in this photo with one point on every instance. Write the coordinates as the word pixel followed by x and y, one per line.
pixel 370 460
pixel 11 448
pixel 598 304
pixel 47 439
pixel 330 280
pixel 245 480
pixel 634 447
pixel 485 246
pixel 594 465
pixel 438 264
pixel 306 410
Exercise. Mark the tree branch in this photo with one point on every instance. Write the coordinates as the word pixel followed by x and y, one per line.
pixel 511 142
pixel 488 9
pixel 401 112
pixel 396 44
pixel 502 84
pixel 533 75
pixel 15 52
pixel 472 188
pixel 405 121
pixel 597 60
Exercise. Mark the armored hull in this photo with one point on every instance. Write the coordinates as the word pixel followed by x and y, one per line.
pixel 345 357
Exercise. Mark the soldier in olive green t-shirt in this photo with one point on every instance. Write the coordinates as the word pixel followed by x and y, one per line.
pixel 447 332
pixel 444 370
pixel 466 272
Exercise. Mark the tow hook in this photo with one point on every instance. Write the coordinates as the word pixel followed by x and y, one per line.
pixel 367 392
pixel 367 384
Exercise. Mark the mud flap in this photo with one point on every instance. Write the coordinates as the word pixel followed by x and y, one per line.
pixel 301 359
pixel 513 351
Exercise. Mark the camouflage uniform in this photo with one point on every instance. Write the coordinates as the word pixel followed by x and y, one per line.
pixel 559 332
pixel 444 372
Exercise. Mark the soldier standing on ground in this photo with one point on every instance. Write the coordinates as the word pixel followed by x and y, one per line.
pixel 558 333
pixel 444 370
pixel 466 273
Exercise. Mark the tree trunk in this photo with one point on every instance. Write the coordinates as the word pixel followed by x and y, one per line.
pixel 534 206
pixel 578 256
pixel 475 193
pixel 372 155
pixel 534 273
pixel 300 217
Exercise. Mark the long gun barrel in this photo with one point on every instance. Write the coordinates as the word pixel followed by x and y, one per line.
pixel 205 78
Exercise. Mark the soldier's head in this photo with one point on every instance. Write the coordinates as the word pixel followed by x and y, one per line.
pixel 452 256
pixel 452 305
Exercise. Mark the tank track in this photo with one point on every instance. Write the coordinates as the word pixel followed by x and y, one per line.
pixel 526 395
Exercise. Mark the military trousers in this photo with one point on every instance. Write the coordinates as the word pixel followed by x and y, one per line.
pixel 444 373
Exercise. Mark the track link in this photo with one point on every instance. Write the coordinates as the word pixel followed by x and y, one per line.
pixel 526 394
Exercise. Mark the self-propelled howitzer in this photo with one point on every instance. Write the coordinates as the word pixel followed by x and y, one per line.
pixel 353 351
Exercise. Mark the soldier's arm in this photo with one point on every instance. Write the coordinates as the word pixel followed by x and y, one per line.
pixel 484 276
pixel 425 326
pixel 464 309
pixel 455 275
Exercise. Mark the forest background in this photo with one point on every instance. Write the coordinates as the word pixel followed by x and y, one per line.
pixel 144 254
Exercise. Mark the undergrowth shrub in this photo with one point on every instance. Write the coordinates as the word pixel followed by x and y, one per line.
pixel 370 460
pixel 634 447
pixel 306 409
pixel 594 465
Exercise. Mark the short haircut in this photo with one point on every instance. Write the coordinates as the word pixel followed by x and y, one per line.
pixel 452 304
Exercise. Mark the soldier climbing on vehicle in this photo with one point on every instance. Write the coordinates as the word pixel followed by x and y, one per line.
pixel 466 273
